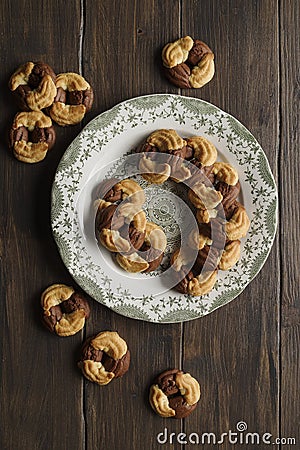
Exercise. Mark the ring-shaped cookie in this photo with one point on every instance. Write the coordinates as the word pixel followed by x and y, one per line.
pixel 188 63
pixel 200 152
pixel 196 281
pixel 104 357
pixel 238 222
pixel 116 191
pixel 213 190
pixel 150 255
pixel 73 100
pixel 174 393
pixel 64 310
pixel 33 85
pixel 31 136
pixel 120 226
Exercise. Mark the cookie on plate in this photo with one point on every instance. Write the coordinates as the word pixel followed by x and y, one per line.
pixel 120 222
pixel 149 256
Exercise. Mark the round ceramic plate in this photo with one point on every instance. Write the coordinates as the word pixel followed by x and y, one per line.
pixel 100 151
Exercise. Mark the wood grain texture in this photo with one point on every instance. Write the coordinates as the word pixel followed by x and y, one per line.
pixel 246 354
pixel 39 383
pixel 234 352
pixel 290 230
pixel 122 62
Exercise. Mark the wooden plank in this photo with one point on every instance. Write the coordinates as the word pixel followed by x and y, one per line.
pixel 234 351
pixel 41 390
pixel 289 230
pixel 121 62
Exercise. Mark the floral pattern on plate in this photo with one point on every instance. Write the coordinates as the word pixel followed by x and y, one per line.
pixel 96 154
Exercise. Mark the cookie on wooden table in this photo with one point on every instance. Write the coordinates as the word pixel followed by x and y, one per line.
pixel 33 85
pixel 104 357
pixel 31 136
pixel 73 100
pixel 64 310
pixel 188 63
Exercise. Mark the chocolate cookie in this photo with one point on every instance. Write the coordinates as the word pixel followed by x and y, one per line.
pixel 188 63
pixel 31 136
pixel 73 100
pixel 64 310
pixel 104 357
pixel 174 393
pixel 33 85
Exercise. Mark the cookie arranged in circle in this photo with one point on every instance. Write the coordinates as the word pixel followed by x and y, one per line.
pixel 175 394
pixel 188 63
pixel 121 226
pixel 200 152
pixel 104 357
pixel 64 310
pixel 213 188
pixel 66 98
pixel 33 85
pixel 31 136
pixel 120 221
pixel 73 100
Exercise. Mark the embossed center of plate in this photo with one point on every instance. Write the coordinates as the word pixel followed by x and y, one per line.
pixel 163 209
pixel 166 205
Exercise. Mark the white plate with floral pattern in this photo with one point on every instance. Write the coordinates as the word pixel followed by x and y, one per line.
pixel 97 153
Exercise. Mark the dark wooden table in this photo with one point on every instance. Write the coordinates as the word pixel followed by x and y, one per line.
pixel 246 354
